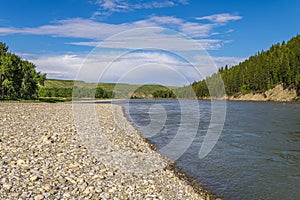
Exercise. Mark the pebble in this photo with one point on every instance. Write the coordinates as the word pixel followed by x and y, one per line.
pixel 86 192
pixel 7 186
pixel 66 195
pixel 34 178
pixel 112 190
pixel 39 197
pixel 47 187
pixel 20 162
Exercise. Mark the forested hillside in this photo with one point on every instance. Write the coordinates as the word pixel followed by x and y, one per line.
pixel 18 78
pixel 261 72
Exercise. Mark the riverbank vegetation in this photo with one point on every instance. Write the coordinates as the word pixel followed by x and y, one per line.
pixel 80 89
pixel 18 78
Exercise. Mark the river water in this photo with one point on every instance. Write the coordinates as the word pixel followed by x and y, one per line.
pixel 256 157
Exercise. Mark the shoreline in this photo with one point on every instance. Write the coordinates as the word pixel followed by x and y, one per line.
pixel 197 186
pixel 44 155
pixel 276 94
pixel 296 100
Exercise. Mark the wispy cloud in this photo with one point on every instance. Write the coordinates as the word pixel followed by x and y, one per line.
pixel 99 31
pixel 145 67
pixel 74 28
pixel 221 18
pixel 142 67
pixel 25 55
pixel 205 44
pixel 230 61
pixel 111 6
pixel 63 66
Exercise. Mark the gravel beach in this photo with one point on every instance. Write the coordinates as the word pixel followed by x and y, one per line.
pixel 47 154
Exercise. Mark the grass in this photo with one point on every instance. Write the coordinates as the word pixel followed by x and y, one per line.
pixel 122 90
pixel 38 100
pixel 53 99
pixel 51 83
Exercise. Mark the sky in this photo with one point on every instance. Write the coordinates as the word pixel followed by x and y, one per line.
pixel 172 42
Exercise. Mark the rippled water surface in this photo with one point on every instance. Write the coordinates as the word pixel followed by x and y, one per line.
pixel 256 157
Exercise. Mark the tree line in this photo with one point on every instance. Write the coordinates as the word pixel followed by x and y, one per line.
pixel 76 92
pixel 167 93
pixel 278 65
pixel 18 78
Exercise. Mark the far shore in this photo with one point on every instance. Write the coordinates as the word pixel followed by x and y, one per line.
pixel 277 94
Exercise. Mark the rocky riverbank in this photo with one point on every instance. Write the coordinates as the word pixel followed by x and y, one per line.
pixel 45 156
pixel 278 93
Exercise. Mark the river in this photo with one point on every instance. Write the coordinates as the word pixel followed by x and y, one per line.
pixel 257 155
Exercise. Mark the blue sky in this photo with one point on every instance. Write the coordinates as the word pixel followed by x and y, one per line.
pixel 59 35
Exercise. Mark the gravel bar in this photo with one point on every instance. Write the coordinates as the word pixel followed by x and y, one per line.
pixel 46 153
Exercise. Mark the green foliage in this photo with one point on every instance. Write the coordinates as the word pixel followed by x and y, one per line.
pixel 103 94
pixel 186 92
pixel 55 92
pixel 54 99
pixel 297 80
pixel 18 78
pixel 167 93
pixel 81 89
pixel 79 92
pixel 3 49
pixel 280 64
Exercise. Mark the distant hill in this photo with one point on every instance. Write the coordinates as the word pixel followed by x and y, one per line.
pixel 261 72
pixel 65 88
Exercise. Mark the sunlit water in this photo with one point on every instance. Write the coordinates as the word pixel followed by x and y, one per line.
pixel 256 157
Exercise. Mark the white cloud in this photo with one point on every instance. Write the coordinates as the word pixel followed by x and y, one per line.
pixel 111 6
pixel 155 4
pixel 25 55
pixel 166 20
pixel 230 31
pixel 134 67
pixel 230 61
pixel 211 44
pixel 220 18
pixel 173 44
pixel 58 66
pixel 155 38
pixel 99 31
pixel 88 44
pixel 76 28
pixel 147 67
pixel 197 30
